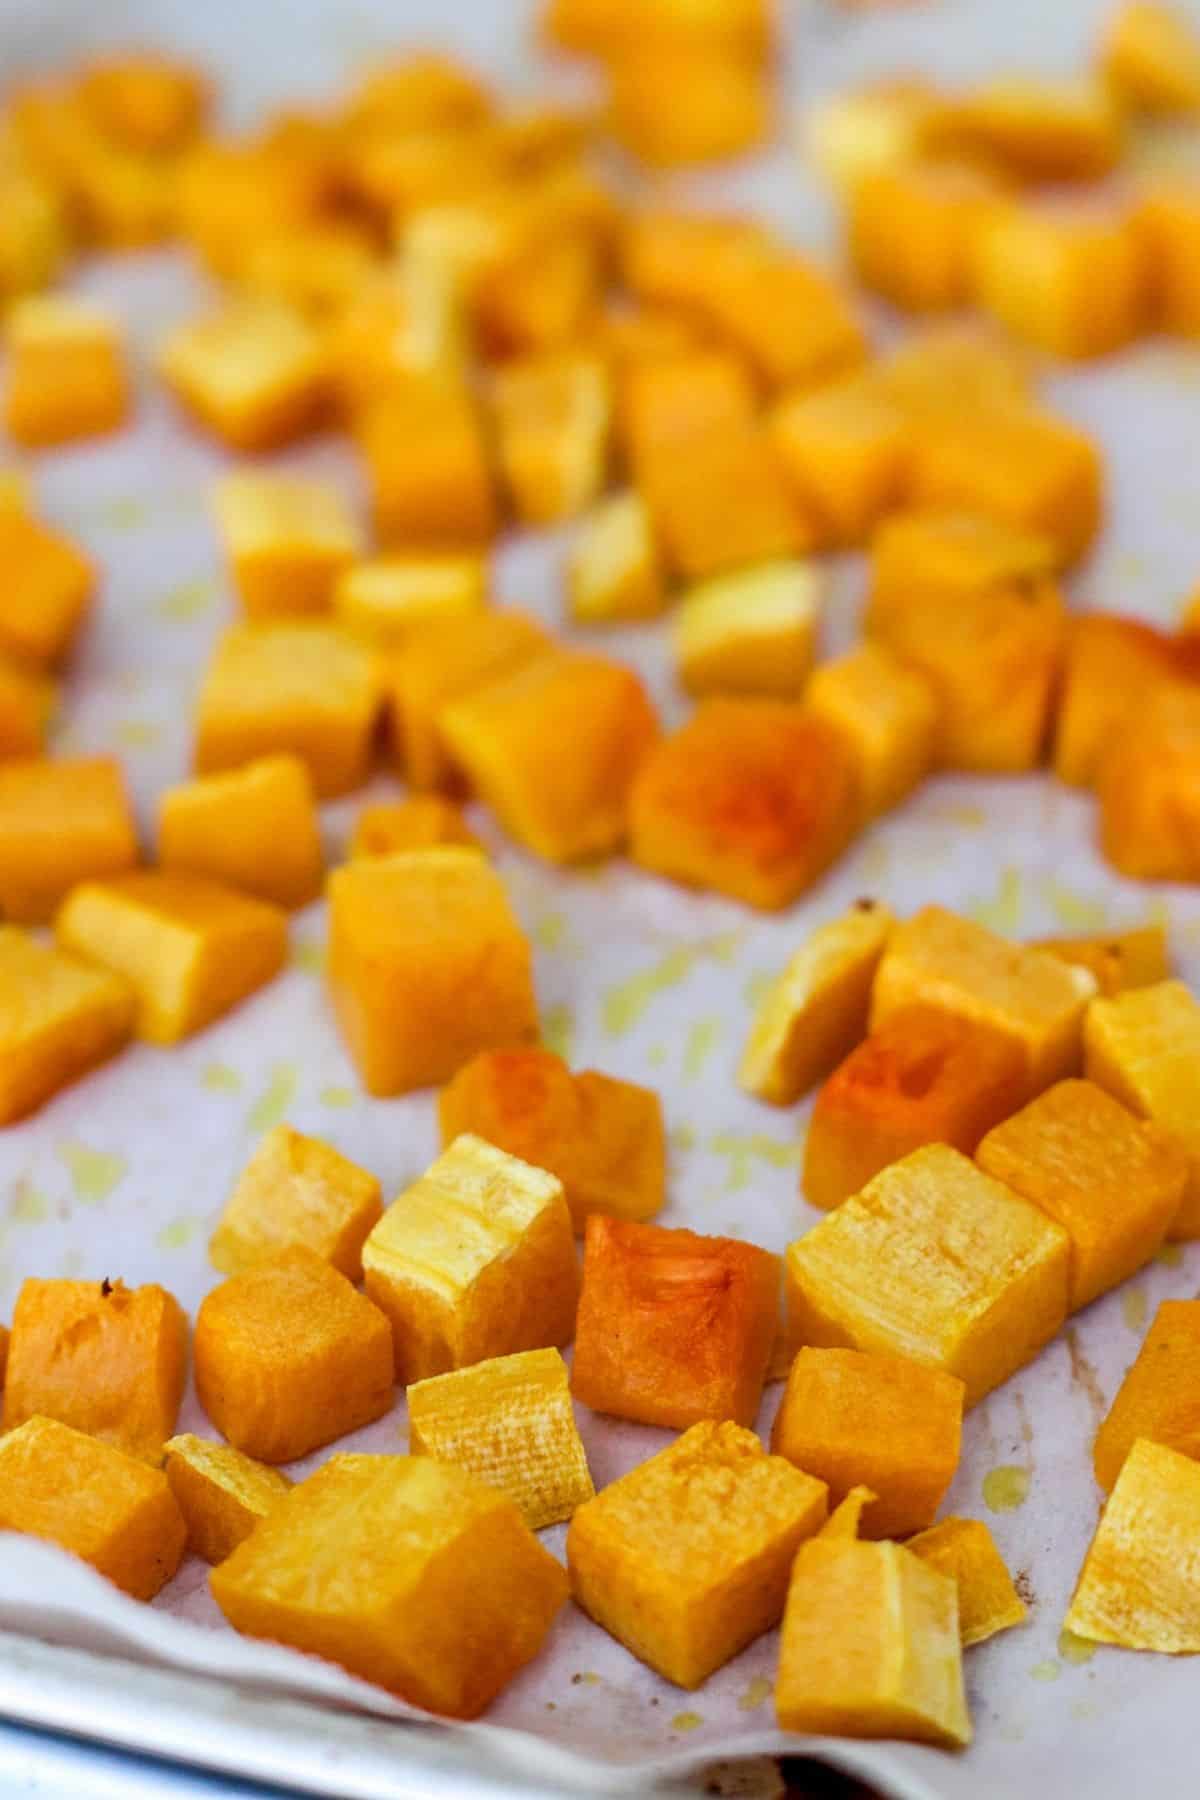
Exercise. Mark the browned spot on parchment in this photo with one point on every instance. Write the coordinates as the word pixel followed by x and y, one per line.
pixel 1084 1375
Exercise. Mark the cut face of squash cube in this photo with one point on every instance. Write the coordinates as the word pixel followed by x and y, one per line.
pixel 1157 1399
pixel 190 948
pixel 1070 279
pixel 1140 1583
pixel 253 373
pixel 447 662
pixel 686 1559
pixel 1168 222
pixel 955 367
pixel 58 1018
pixel 385 599
pixel 878 126
pixel 48 591
pixel 66 374
pixel 670 402
pixel 475 1260
pixel 61 822
pixel 753 798
pixel 406 319
pixel 510 1422
pixel 1041 129
pixel 965 1550
pixel 406 1572
pixel 881 1422
pixel 101 1357
pixel 1118 959
pixel 750 633
pixel 1111 668
pixel 941 556
pixel 870 1647
pixel 287 541
pixel 297 1190
pixel 256 829
pixel 553 420
pixel 889 711
pixel 924 1077
pixel 288 1356
pixel 431 486
pixel 1151 58
pixel 817 1009
pixel 425 822
pixel 966 1276
pixel 843 448
pixel 941 960
pixel 721 501
pixel 1146 789
pixel 221 1493
pixel 93 1500
pixel 613 573
pixel 912 229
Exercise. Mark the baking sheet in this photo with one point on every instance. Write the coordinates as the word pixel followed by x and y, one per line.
pixel 125 1174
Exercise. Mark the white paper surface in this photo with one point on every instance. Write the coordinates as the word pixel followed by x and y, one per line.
pixel 125 1174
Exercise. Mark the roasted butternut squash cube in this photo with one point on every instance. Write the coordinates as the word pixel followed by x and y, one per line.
pixel 407 319
pixel 88 1497
pixel 794 324
pixel 510 1422
pixel 297 1190
pixel 1071 279
pixel 604 1139
pixel 870 1647
pixel 941 960
pixel 296 688
pixel 66 372
pixel 1139 1585
pixel 553 424
pixel 855 1419
pixel 889 711
pixel 673 1327
pixel 724 102
pixel 287 540
pixel 965 1275
pixel 101 1357
pixel 221 1493
pixel 940 556
pixel 668 403
pixel 427 468
pixel 288 1356
pixel 873 127
pixel 319 269
pixel 1150 56
pixel 253 373
pixel 1039 128
pixel 446 662
pixel 427 966
pixel 543 297
pixel 256 829
pixel 48 590
pixel 123 199
pixel 425 822
pixel 1111 667
pixel 190 948
pixel 949 367
pixel 27 704
pixel 912 229
pixel 720 502
pixel 1113 1183
pixel 1168 221
pixel 685 1560
pixel 613 572
pixel 35 234
pixel 1157 1399
pixel 475 1260
pixel 61 822
pixel 923 1077
pixel 408 1572
pixel 421 91
pixel 562 808
pixel 753 798
pixel 147 103
pixel 817 1010
pixel 1143 1047
pixel 1118 959
pixel 965 1550
pixel 844 449
pixel 385 599
pixel 1146 788
pixel 749 633
pixel 58 1019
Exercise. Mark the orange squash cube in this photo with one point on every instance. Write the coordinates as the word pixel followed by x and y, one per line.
pixel 122 199
pixel 721 501
pixel 724 102
pixel 61 823
pixel 446 662
pixel 923 1077
pixel 1071 279
pixel 669 403
pixel 221 1493
pixel 686 1559
pixel 1150 56
pixel 912 229
pixel 48 590
pixel 427 966
pixel 191 949
pixel 406 319
pixel 287 540
pixel 297 1190
pixel 1112 666
pixel 319 269
pixel 98 1356
pixel 939 556
pixel 421 91
pixel 553 420
pixel 1157 1399
pixel 288 1356
pixel 543 297
pixel 1146 787
pixel 879 125
pixel 58 1019
pixel 844 449
pixel 145 103
pixel 952 367
pixel 1139 1586
pixel 846 1517
pixel 385 599
pixel 306 690
pixel 221 827
pixel 27 703
pixel 886 1423
pixel 673 1327
pixel 793 323
pixel 253 373
pixel 35 232
pixel 749 633
pixel 753 798
pixel 425 822
pixel 603 1138
pixel 475 1260
pixel 1118 959
pixel 613 572
pixel 66 372
pixel 93 1500
pixel 427 468
pixel 1039 128
pixel 1168 221
pixel 891 714
pixel 965 1550
pixel 405 1571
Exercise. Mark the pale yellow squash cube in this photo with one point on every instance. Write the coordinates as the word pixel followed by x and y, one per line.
pixel 287 539
pixel 256 828
pixel 1070 278
pixel 749 633
pixel 254 373
pixel 221 1493
pixel 869 128
pixel 385 599
pixel 1140 1583
pixel 297 1190
pixel 66 371
pixel 613 571
pixel 553 422
pixel 965 1550
pixel 889 711
pixel 844 449
pixel 1150 56
pixel 58 1019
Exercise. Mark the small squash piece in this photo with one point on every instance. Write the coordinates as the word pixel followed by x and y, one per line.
pixel 613 574
pixel 425 822
pixel 59 1017
pixel 1039 128
pixel 843 447
pixel 48 590
pixel 553 423
pixel 720 501
pixel 912 229
pixel 447 662
pixel 287 539
pixel 221 1493
pixel 430 481
pixel 1140 1582
pixel 385 599
pixel 1150 56
pixel 66 372
pixel 255 828
pixel 965 1550
pixel 750 633
pixel 1168 221
pixel 1157 1399
pixel 1070 279
pixel 1111 668
pixel 253 373
pixel 889 711
pixel 939 556
pixel 27 704
pixel 61 823
pixel 297 1190
pixel 1146 784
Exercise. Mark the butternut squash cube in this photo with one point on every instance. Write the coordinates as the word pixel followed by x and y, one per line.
pixel 48 590
pixel 1039 128
pixel 1168 220
pixel 318 268
pixel 427 468
pixel 923 1077
pixel 407 319
pixel 544 297
pixel 604 1139
pixel 949 367
pixel 427 966
pixel 27 703
pixel 1071 279
pixel 66 372
pixel 475 1260
pixel 253 373
pixel 965 1550
pixel 1157 1399
pixel 1146 788
pixel 256 829
pixel 190 948
pixel 58 1019
pixel 882 1422
pixel 510 1422
pixel 101 1357
pixel 88 1497
pixel 752 798
pixel 426 822
pixel 724 102
pixel 673 1327
pixel 870 1647
pixel 1143 1047
pixel 385 599
pixel 221 1493
pixel 146 103
pixel 685 1560
pixel 233 194
pixel 1111 668
pixel 939 557
pixel 303 689
pixel 562 808
pixel 1140 1582
pixel 666 404
pixel 965 1275
pixel 844 449
pixel 912 229
pixel 1118 959
pixel 61 822
pixel 721 501
pixel 553 424
pixel 877 126
pixel 297 1190
pixel 817 1009
pixel 1114 1184
pixel 288 1356
pixel 749 633
pixel 889 711
pixel 1150 57
pixel 446 662
pixel 794 324
pixel 405 1571
pixel 35 232
pixel 613 572
pixel 940 960
pixel 287 540
pixel 420 91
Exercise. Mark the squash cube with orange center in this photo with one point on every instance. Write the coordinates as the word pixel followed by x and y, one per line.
pixel 889 710
pixel 1071 279
pixel 1150 56
pixel 1157 1399
pixel 221 826
pixel 59 1017
pixel 253 373
pixel 843 448
pixel 443 663
pixel 1111 668
pixel 297 1190
pixel 913 229
pixel 49 589
pixel 66 372
pixel 965 1550
pixel 427 468
pixel 61 823
pixel 221 1493
pixel 553 423
pixel 287 541
pixel 1140 1582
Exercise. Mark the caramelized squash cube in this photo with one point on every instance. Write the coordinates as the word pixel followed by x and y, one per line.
pixel 553 423
pixel 297 1190
pixel 844 449
pixel 1070 279
pixel 912 229
pixel 1112 667
pixel 48 590
pixel 1140 1582
pixel 256 829
pixel 1146 787
pixel 686 1559
pixel 287 540
pixel 749 633
pixel 221 1493
pixel 1157 1399
pixel 613 573
pixel 385 599
pixel 430 481
pixel 1118 959
pixel 253 373
pixel 447 662
pixel 1039 128
pixel 965 1550
pixel 58 1019
pixel 889 711
pixel 426 822
pixel 1150 57
pixel 61 823
pixel 721 501
pixel 1168 220
pixel 66 372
